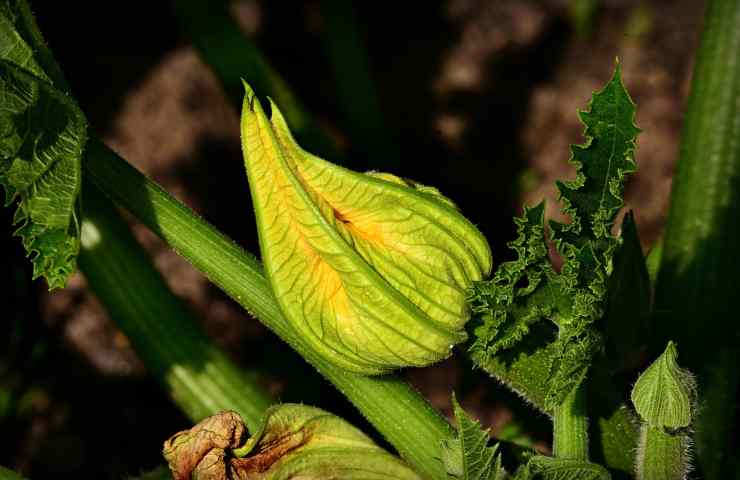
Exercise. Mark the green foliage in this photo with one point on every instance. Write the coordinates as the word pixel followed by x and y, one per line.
pixel 547 468
pixel 598 300
pixel 627 318
pixel 42 136
pixel 529 289
pixel 468 457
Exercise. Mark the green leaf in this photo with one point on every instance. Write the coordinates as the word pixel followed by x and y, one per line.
pixel 42 135
pixel 547 468
pixel 627 319
pixel 595 196
pixel 527 290
pixel 21 43
pixel 294 441
pixel 665 394
pixel 371 269
pixel 468 457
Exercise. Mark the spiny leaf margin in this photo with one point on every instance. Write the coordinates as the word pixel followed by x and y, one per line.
pixel 469 457
pixel 42 137
pixel 526 290
pixel 39 112
pixel 541 467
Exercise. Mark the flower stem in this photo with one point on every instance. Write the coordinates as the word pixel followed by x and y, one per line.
pixel 570 427
pixel 662 456
pixel 398 411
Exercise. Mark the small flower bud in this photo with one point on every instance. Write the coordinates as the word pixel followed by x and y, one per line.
pixel 665 394
pixel 665 398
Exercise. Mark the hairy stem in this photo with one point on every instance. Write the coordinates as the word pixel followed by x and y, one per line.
pixel 662 456
pixel 702 239
pixel 200 378
pixel 570 427
pixel 399 412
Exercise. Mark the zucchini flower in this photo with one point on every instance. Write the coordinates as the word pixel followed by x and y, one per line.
pixel 371 270
pixel 294 441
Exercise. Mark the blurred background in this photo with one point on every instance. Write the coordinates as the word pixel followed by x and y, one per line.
pixel 478 98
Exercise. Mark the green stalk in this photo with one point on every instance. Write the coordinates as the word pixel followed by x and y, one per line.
pixel 233 56
pixel 570 427
pixel 662 456
pixel 198 376
pixel 696 291
pixel 398 411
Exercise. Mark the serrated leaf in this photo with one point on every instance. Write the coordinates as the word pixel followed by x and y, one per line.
pixel 293 441
pixel 541 467
pixel 527 290
pixel 372 270
pixel 665 394
pixel 593 199
pixel 42 135
pixel 469 457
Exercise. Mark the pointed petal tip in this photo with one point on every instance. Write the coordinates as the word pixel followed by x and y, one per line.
pixel 250 97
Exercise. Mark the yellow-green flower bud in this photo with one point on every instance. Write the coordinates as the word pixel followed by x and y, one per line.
pixel 294 441
pixel 665 398
pixel 665 394
pixel 370 269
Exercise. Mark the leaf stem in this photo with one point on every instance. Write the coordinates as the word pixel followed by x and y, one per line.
pixel 165 333
pixel 570 427
pixel 398 411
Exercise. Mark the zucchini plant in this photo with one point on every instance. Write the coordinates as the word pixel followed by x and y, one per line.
pixel 364 274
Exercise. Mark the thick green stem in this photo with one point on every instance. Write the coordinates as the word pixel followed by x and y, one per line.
pixel 696 294
pixel 164 332
pixel 662 456
pixel 399 412
pixel 570 427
